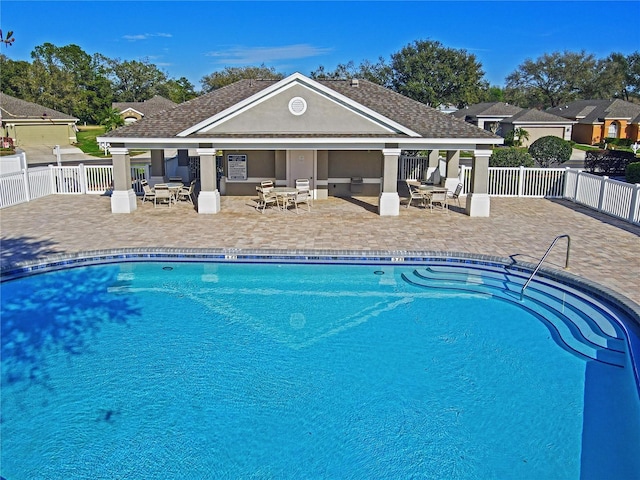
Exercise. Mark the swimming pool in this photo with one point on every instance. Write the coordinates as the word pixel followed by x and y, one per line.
pixel 388 368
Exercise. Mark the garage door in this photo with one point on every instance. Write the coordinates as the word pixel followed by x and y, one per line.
pixel 42 135
pixel 538 132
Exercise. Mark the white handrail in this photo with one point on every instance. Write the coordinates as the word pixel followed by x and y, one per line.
pixel 566 263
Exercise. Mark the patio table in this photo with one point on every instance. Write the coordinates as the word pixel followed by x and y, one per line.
pixel 284 193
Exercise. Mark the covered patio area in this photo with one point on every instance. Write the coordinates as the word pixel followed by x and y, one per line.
pixel 334 133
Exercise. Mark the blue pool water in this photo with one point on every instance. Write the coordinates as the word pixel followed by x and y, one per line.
pixel 187 370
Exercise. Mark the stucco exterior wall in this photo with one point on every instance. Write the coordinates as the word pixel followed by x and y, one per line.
pixel 583 134
pixel 344 164
pixel 261 164
pixel 321 116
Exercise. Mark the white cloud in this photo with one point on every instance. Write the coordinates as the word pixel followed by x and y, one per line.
pixel 145 36
pixel 251 55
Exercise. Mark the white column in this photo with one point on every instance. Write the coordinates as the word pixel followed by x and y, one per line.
pixel 123 198
pixel 453 167
pixel 209 196
pixel 389 198
pixel 478 204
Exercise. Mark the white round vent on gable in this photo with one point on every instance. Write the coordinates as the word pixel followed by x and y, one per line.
pixel 297 105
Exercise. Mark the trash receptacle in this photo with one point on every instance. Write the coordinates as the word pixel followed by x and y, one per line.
pixel 356 184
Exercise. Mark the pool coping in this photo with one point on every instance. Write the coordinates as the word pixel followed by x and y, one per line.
pixel 396 257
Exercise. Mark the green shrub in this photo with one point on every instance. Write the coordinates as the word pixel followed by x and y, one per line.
pixel 510 157
pixel 620 142
pixel 549 150
pixel 608 162
pixel 632 172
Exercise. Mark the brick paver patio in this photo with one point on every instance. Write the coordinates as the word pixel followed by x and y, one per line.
pixel 603 249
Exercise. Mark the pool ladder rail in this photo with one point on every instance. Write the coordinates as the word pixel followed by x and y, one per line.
pixel 566 263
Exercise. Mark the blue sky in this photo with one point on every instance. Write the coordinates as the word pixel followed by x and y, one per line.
pixel 193 39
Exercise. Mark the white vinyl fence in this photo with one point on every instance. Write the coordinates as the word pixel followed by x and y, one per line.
pixel 615 198
pixel 618 199
pixel 32 183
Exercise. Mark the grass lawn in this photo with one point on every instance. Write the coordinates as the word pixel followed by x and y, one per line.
pixel 87 140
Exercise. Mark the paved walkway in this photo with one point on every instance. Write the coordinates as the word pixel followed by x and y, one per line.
pixel 603 249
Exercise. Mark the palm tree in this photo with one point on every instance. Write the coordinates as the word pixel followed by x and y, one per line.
pixel 8 40
pixel 112 119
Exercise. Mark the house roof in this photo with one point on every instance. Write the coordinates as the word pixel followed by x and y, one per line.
pixel 531 115
pixel 490 109
pixel 12 108
pixel 367 98
pixel 596 111
pixel 154 105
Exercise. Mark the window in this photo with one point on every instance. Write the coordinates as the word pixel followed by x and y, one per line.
pixel 613 130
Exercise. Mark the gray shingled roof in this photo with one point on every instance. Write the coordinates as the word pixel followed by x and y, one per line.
pixel 494 109
pixel 154 105
pixel 536 116
pixel 15 108
pixel 595 111
pixel 424 120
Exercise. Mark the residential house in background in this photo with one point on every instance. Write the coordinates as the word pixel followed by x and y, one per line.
pixel 501 118
pixel 133 111
pixel 597 120
pixel 28 123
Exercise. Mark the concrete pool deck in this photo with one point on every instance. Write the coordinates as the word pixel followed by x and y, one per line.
pixel 603 249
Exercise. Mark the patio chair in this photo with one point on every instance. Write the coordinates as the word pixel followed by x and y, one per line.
pixel 455 195
pixel 266 183
pixel 414 193
pixel 162 194
pixel 303 185
pixel 148 193
pixel 300 197
pixel 266 197
pixel 438 199
pixel 186 193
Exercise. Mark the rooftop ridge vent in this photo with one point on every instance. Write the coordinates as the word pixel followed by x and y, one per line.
pixel 355 82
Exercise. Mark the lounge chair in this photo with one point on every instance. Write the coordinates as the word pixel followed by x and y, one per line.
pixel 148 193
pixel 303 185
pixel 455 195
pixel 300 197
pixel 186 193
pixel 162 194
pixel 266 197
pixel 438 199
pixel 414 193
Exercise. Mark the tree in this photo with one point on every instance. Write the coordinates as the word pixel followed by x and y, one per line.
pixel 550 149
pixel 632 75
pixel 111 119
pixel 510 157
pixel 516 137
pixel 231 75
pixel 13 75
pixel 178 91
pixel 379 73
pixel 8 39
pixel 435 75
pixel 135 80
pixel 552 79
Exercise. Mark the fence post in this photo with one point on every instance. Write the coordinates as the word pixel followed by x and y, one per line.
pixel 520 181
pixel 461 174
pixel 25 177
pixel 603 189
pixel 635 200
pixel 565 185
pixel 54 189
pixel 82 174
pixel 577 187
